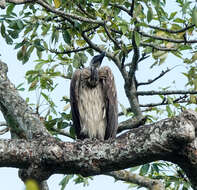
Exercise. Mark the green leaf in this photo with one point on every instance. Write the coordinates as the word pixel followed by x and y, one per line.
pixel 20 24
pixel 39 65
pixel 20 55
pixel 169 111
pixel 72 131
pixel 39 47
pixel 106 2
pixel 144 169
pixel 172 15
pixel 137 38
pixel 45 29
pixel 66 36
pixel 185 47
pixel 65 181
pixel 179 20
pixel 13 33
pixel 194 16
pixel 80 43
pixel 149 14
pixel 3 30
pixel 10 8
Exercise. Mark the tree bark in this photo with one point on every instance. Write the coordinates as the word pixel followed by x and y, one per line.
pixel 164 140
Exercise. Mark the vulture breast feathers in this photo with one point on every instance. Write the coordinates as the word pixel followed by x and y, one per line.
pixel 94 108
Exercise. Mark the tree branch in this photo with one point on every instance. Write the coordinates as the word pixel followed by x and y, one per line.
pixel 166 39
pixel 18 2
pixel 171 31
pixel 16 112
pixel 51 9
pixel 97 48
pixel 159 141
pixel 130 82
pixel 131 124
pixel 181 99
pixel 166 92
pixel 69 51
pixel 67 15
pixel 158 47
pixel 156 78
pixel 137 179
pixel 121 8
pixel 110 37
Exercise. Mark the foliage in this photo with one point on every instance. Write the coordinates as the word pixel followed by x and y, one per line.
pixel 64 39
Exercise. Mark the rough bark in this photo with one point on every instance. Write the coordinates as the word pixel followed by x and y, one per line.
pixel 18 115
pixel 163 140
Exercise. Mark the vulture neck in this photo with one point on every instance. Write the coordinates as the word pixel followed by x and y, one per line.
pixel 94 76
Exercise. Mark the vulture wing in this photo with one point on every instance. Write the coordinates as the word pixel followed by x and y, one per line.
pixel 110 96
pixel 74 97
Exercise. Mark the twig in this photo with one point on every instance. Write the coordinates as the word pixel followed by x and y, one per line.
pixel 165 92
pixel 69 51
pixel 3 131
pixel 171 31
pixel 132 8
pixel 181 99
pixel 121 8
pixel 158 47
pixel 166 39
pixel 131 123
pixel 143 181
pixel 110 37
pixel 97 48
pixel 156 78
pixel 85 12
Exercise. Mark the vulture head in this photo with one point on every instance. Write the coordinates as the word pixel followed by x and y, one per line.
pixel 95 63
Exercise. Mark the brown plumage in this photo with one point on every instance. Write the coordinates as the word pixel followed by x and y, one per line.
pixel 94 106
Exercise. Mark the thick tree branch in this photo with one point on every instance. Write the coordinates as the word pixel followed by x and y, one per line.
pixel 51 9
pixel 137 179
pixel 161 140
pixel 130 82
pixel 166 92
pixel 17 113
pixel 18 2
pixel 67 15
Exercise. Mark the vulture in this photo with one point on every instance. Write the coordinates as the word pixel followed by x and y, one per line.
pixel 93 99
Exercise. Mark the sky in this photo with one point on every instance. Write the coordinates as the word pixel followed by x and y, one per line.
pixel 16 72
